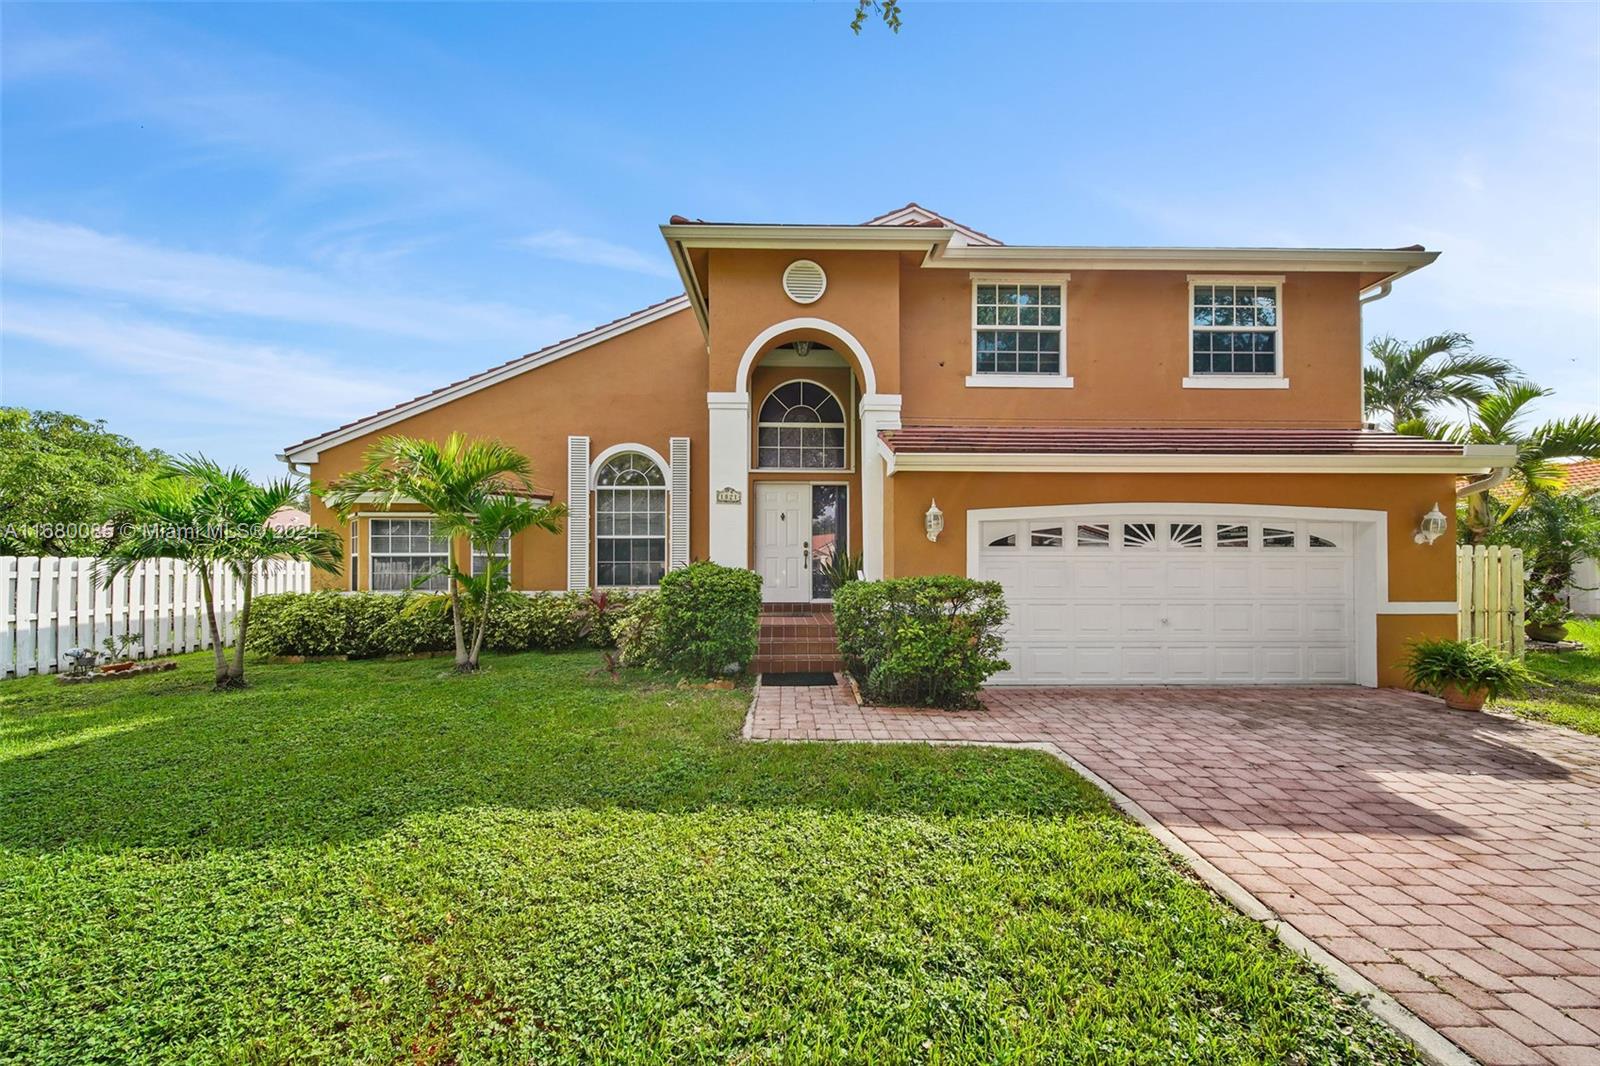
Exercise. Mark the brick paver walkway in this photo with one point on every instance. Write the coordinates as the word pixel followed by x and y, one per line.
pixel 1453 859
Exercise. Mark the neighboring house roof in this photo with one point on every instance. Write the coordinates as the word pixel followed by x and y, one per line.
pixel 288 518
pixel 1581 476
pixel 306 450
pixel 1049 447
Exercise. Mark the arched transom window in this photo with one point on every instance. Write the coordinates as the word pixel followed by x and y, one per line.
pixel 630 522
pixel 801 427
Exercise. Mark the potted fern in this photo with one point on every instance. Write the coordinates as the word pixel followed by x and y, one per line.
pixel 1464 672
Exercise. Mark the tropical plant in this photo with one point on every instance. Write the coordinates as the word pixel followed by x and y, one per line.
pixel 1407 382
pixel 215 519
pixel 1556 531
pixel 1467 666
pixel 1498 418
pixel 926 641
pixel 476 489
pixel 707 619
pixel 840 568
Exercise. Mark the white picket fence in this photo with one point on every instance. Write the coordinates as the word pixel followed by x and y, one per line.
pixel 49 606
pixel 1489 604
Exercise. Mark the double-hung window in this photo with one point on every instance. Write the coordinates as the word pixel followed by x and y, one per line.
pixel 1235 333
pixel 1019 332
pixel 630 497
pixel 401 550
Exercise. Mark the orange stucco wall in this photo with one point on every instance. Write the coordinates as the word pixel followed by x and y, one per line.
pixel 643 387
pixel 1416 572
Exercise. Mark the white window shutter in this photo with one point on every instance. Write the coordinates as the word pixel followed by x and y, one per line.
pixel 577 513
pixel 678 529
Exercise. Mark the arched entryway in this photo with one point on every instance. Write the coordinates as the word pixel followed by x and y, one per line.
pixel 794 463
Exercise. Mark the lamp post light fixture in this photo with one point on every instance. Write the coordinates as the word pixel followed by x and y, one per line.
pixel 1433 526
pixel 933 521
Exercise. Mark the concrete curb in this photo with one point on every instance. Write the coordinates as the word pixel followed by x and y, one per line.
pixel 1431 1044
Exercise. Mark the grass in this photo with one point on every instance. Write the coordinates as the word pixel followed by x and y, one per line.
pixel 1568 688
pixel 379 862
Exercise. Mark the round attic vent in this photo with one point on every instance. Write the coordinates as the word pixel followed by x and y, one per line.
pixel 804 281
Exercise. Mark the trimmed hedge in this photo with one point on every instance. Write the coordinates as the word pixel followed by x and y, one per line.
pixel 706 620
pixel 921 641
pixel 368 624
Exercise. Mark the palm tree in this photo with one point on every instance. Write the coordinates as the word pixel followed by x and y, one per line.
pixel 1406 382
pixel 215 519
pixel 1496 419
pixel 477 489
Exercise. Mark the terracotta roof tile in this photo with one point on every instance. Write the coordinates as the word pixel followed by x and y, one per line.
pixel 1063 440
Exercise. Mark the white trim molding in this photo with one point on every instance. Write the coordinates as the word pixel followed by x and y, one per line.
pixel 1370 551
pixel 1169 463
pixel 1018 381
pixel 879 411
pixel 753 350
pixel 1234 381
pixel 728 467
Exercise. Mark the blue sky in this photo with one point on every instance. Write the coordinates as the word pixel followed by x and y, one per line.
pixel 227 228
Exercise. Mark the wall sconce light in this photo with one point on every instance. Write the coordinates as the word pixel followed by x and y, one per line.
pixel 933 521
pixel 802 348
pixel 1432 527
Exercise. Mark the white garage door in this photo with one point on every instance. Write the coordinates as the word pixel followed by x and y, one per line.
pixel 1173 599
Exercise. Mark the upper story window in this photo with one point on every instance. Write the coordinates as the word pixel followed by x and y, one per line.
pixel 630 522
pixel 1235 333
pixel 404 554
pixel 800 427
pixel 1019 332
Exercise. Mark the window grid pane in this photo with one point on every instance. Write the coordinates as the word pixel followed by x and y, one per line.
pixel 1033 344
pixel 1235 329
pixel 801 427
pixel 400 550
pixel 630 523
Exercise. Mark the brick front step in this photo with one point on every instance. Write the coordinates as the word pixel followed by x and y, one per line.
pixel 796 637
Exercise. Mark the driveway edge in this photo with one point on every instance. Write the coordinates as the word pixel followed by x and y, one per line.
pixel 1433 1045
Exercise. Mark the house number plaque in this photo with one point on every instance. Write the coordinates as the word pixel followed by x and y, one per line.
pixel 729 495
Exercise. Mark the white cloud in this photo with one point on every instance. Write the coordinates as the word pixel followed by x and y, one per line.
pixel 232 377
pixel 72 257
pixel 591 251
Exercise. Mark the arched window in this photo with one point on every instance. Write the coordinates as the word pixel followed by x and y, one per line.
pixel 630 521
pixel 800 427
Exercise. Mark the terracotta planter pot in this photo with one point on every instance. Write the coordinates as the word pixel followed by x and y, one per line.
pixel 1464 699
pixel 1550 634
pixel 117 668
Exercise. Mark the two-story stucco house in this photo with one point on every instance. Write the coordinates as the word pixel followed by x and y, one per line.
pixel 1158 452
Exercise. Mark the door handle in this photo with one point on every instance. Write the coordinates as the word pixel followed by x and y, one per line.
pixel 805 554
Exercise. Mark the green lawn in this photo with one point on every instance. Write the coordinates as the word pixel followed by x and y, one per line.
pixel 1568 689
pixel 377 862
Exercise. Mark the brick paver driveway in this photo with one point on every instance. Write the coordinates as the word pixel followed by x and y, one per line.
pixel 1453 859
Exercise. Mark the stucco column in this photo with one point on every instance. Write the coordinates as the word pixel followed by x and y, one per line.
pixel 729 464
pixel 879 411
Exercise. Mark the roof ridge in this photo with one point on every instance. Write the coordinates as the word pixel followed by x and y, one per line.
pixel 536 353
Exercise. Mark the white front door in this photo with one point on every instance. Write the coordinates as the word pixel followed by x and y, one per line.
pixel 1174 598
pixel 783 531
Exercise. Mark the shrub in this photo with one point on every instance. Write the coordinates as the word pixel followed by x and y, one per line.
pixel 707 618
pixel 1468 665
pixel 921 641
pixel 367 613
pixel 638 633
pixel 318 623
pixel 422 623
